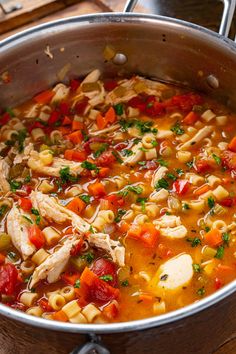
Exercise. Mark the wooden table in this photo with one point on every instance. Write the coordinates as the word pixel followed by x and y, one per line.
pixel 203 12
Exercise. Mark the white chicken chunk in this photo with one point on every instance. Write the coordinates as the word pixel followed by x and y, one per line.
pixel 175 232
pixel 168 221
pixel 173 274
pixel 54 265
pixel 4 173
pixel 18 231
pixel 114 248
pixel 136 155
pixel 58 163
pixel 158 174
pixel 53 211
pixel 171 226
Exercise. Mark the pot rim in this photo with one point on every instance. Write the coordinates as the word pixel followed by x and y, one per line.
pixel 156 321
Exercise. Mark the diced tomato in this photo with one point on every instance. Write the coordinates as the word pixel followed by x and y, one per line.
pixel 2 258
pixel 228 202
pixel 75 155
pixel 74 84
pixel 66 121
pixel 36 125
pixel 80 106
pixel 102 267
pixel 76 249
pixel 25 204
pixel 185 102
pixel 146 233
pixel 138 102
pixel 115 200
pixel 110 311
pixel 229 160
pixel 98 290
pixel 64 108
pixel 218 283
pixel 36 236
pixel 154 108
pixel 26 188
pixel 44 304
pixel 191 118
pixel 202 166
pixel 110 85
pixel 54 117
pixel 104 172
pixel 5 118
pixel 8 278
pixel 106 158
pixel 97 189
pixel 181 186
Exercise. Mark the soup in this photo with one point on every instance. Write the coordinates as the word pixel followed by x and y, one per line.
pixel 117 200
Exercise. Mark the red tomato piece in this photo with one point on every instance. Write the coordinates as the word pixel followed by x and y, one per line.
pixel 202 166
pixel 27 189
pixel 64 108
pixel 228 202
pixel 181 186
pixel 8 278
pixel 74 84
pixel 36 236
pixel 110 85
pixel 218 283
pixel 25 204
pixel 229 160
pixel 106 158
pixel 44 304
pixel 5 118
pixel 185 102
pixel 138 102
pixel 103 267
pixel 80 106
pixel 76 249
pixel 54 117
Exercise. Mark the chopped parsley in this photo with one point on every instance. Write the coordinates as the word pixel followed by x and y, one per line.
pixel 226 238
pixel 14 185
pixel 27 219
pixel 134 189
pixel 21 138
pixel 27 179
pixel 65 175
pixel 3 209
pixel 162 162
pixel 117 157
pixel 91 229
pixel 12 255
pixel 119 215
pixel 142 163
pixel 211 202
pixel 179 171
pixel 119 109
pixel 186 206
pixel 196 268
pixel 217 159
pixel 85 135
pixel 207 228
pixel 107 277
pixel 201 291
pixel 90 166
pixel 220 252
pixel 171 176
pixel 125 283
pixel 85 198
pixel 195 241
pixel 142 201
pixel 164 277
pixel 162 183
pixel 189 164
pixel 154 143
pixel 142 126
pixel 77 284
pixel 36 213
pixel 144 149
pixel 177 129
pixel 127 152
pixel 88 257
pixel 101 149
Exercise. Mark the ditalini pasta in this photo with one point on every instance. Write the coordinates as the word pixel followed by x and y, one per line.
pixel 117 200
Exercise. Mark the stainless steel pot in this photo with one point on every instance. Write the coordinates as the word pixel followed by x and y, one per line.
pixel 154 46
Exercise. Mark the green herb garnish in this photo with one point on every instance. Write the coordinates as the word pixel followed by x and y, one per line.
pixel 177 129
pixel 196 268
pixel 101 149
pixel 107 277
pixel 88 257
pixel 77 284
pixel 90 166
pixel 220 252
pixel 14 185
pixel 119 215
pixel 119 109
pixel 195 241
pixel 85 198
pixel 201 291
pixel 162 183
pixel 125 283
pixel 210 202
pixel 217 159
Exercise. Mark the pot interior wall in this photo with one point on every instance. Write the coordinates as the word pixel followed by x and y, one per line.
pixel 155 47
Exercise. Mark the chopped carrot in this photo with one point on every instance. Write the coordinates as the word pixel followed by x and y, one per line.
pixel 190 118
pixel 104 172
pixel 76 205
pixel 213 238
pixel 88 277
pixel 64 130
pixel 201 190
pixel 147 233
pixel 146 297
pixel 76 125
pixel 44 97
pixel 232 144
pixel 60 316
pixel 66 121
pixel 97 189
pixel 73 155
pixel 2 258
pixel 25 204
pixel 222 270
pixel 70 278
pixel 110 311
pixel 75 137
pixel 101 122
pixel 123 226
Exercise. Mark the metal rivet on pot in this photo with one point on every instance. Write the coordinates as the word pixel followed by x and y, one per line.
pixel 212 81
pixel 119 59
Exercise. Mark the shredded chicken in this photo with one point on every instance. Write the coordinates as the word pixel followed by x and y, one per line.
pixel 54 265
pixel 171 226
pixel 17 229
pixel 54 169
pixel 114 248
pixel 136 156
pixel 158 174
pixel 199 136
pixel 24 155
pixel 104 131
pixel 4 173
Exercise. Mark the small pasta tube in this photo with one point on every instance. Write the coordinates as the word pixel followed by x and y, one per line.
pixel 174 203
pixel 148 140
pixel 35 311
pixel 73 191
pixel 9 134
pixel 107 215
pixel 159 307
pixel 151 154
pixel 197 205
pixel 219 209
pixel 37 134
pixel 208 115
pixel 194 179
pixel 220 193
pixel 71 309
pixel 68 292
pixel 151 210
pixel 221 120
pixel 45 186
pixel 56 301
pixel 159 196
pixel 51 235
pixel 40 256
pixel 27 267
pixel 213 180
pixel 46 157
pixel 28 299
pixel 79 318
pixel 56 136
pixel 220 225
pixel 140 219
pixel 90 312
pixel 184 156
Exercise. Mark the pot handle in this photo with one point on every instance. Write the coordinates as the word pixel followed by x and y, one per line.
pixel 94 346
pixel 226 20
